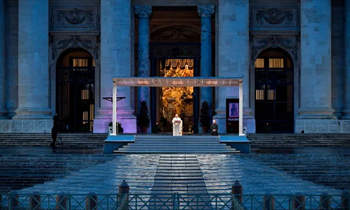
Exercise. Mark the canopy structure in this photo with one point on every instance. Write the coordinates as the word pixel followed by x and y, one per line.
pixel 177 82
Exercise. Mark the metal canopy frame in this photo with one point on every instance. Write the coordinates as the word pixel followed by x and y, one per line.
pixel 177 82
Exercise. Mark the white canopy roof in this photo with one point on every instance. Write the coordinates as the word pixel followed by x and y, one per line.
pixel 177 81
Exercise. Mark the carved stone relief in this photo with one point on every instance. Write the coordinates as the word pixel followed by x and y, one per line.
pixel 75 19
pixel 176 33
pixel 288 43
pixel 286 18
pixel 88 42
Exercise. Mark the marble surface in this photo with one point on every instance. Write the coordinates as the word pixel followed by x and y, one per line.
pixel 147 174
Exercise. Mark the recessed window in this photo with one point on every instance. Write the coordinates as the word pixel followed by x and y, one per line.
pixel 80 62
pixel 259 94
pixel 276 63
pixel 85 94
pixel 259 63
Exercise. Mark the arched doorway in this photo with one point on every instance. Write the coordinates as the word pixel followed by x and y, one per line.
pixel 274 87
pixel 75 90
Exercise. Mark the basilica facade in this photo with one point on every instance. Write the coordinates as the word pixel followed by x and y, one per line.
pixel 58 57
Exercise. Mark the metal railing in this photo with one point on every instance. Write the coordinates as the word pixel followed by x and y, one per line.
pixel 35 201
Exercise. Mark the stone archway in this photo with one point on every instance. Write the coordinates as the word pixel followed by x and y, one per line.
pixel 59 44
pixel 274 81
pixel 290 44
pixel 75 90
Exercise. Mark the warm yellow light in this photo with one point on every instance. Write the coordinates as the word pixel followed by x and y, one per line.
pixel 177 82
pixel 212 82
pixel 143 82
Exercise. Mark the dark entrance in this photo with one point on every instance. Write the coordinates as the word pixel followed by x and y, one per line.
pixel 274 92
pixel 175 60
pixel 75 96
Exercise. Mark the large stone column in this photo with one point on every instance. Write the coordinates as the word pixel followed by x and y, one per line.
pixel 346 111
pixel 115 61
pixel 33 70
pixel 2 60
pixel 11 57
pixel 233 57
pixel 206 12
pixel 316 78
pixel 338 58
pixel 143 62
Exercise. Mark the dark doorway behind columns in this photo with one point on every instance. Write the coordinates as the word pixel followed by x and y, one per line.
pixel 75 91
pixel 274 86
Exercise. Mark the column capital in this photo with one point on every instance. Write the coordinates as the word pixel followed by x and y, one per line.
pixel 143 11
pixel 206 10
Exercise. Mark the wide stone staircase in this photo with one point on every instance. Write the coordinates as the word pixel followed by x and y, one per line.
pixel 176 145
pixel 22 171
pixel 299 140
pixel 44 139
pixel 328 169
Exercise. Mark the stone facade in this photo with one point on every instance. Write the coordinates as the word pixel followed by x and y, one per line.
pixel 117 33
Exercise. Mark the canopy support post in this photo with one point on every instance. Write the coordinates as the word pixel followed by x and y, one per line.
pixel 240 122
pixel 114 102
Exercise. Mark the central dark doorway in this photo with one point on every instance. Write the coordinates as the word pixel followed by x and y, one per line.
pixel 274 110
pixel 75 92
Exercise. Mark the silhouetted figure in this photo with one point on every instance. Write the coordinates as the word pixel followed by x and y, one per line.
pixel 54 131
pixel 214 128
pixel 53 136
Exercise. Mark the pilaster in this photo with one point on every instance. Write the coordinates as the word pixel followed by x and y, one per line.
pixel 2 60
pixel 315 85
pixel 11 57
pixel 233 57
pixel 346 111
pixel 33 49
pixel 115 61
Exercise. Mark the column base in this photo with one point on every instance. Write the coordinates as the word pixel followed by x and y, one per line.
pixel 125 117
pixel 316 113
pixel 317 126
pixel 30 113
pixel 26 125
pixel 248 124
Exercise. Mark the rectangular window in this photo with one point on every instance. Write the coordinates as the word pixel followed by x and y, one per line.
pixel 259 63
pixel 84 94
pixel 80 62
pixel 85 117
pixel 276 63
pixel 270 94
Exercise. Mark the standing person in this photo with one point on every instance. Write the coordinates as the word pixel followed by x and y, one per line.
pixel 214 128
pixel 177 126
pixel 54 131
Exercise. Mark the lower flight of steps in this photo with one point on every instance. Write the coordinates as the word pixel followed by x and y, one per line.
pixel 162 144
pixel 18 171
pixel 44 139
pixel 299 140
